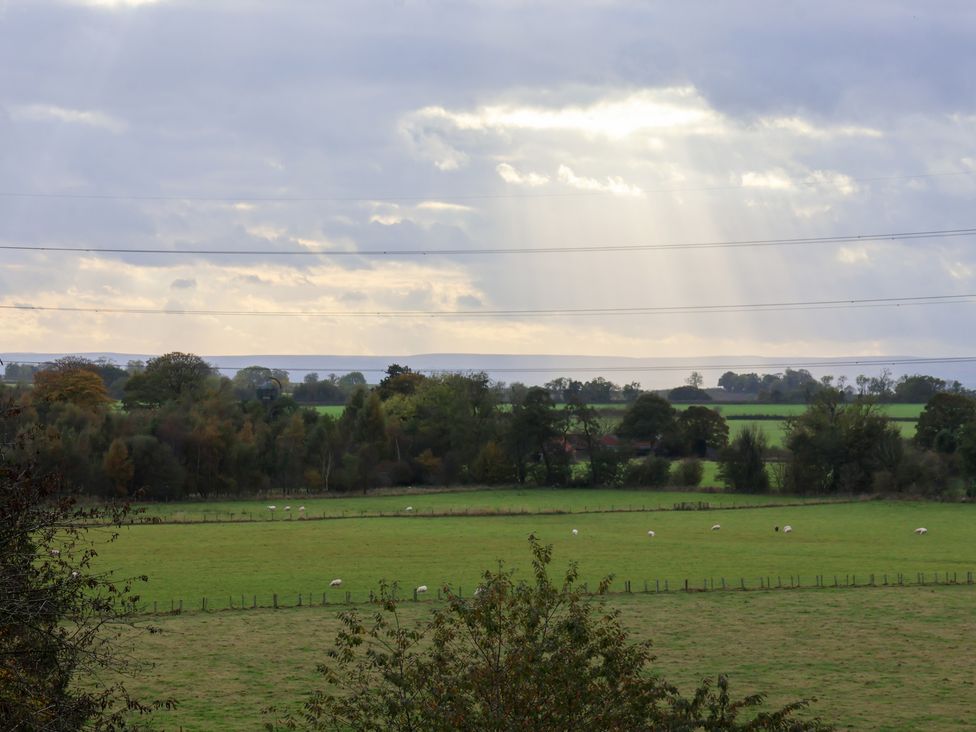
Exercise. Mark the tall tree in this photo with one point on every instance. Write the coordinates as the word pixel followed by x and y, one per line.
pixel 648 418
pixel 837 447
pixel 59 620
pixel 941 422
pixel 167 378
pixel 532 427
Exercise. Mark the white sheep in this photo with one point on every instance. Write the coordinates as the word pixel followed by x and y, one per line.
pixel 288 508
pixel 421 589
pixel 301 508
pixel 74 575
pixel 575 532
pixel 921 530
pixel 787 529
pixel 336 583
pixel 716 527
pixel 651 534
pixel 408 508
pixel 55 553
pixel 272 508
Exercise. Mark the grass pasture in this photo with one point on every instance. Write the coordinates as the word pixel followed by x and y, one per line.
pixel 507 500
pixel 886 658
pixel 224 561
pixel 876 658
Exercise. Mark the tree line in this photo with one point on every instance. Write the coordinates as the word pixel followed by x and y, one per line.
pixel 179 429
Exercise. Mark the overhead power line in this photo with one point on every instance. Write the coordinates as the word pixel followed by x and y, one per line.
pixel 529 312
pixel 597 248
pixel 564 368
pixel 432 197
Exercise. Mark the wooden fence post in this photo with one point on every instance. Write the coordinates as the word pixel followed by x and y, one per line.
pixel 275 600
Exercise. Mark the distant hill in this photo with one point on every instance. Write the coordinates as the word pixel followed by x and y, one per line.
pixel 652 373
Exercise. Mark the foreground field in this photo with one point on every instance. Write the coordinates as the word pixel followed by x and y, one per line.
pixel 222 562
pixel 877 659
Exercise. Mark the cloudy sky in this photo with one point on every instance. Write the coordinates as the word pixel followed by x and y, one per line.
pixel 373 136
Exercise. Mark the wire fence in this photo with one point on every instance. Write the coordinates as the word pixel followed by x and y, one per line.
pixel 337 597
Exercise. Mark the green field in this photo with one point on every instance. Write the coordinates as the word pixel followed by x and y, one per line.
pixel 224 561
pixel 507 500
pixel 876 658
pixel 895 411
pixel 774 429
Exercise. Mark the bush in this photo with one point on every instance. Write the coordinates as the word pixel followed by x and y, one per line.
pixel 529 656
pixel 651 472
pixel 688 473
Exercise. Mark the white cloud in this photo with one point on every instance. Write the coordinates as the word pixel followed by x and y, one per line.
pixel 773 179
pixel 661 109
pixel 853 255
pixel 510 174
pixel 802 128
pixel 443 206
pixel 843 184
pixel 613 184
pixel 386 219
pixel 959 270
pixel 50 112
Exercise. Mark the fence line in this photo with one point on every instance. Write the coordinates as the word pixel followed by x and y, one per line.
pixel 227 517
pixel 764 583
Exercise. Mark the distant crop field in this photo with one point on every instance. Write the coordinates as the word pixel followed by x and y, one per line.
pixel 896 411
pixel 334 410
pixel 773 429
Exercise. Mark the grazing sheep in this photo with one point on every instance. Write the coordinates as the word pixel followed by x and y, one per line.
pixel 787 529
pixel 272 508
pixel 288 508
pixel 74 575
pixel 301 508
pixel 651 534
pixel 575 532
pixel 55 553
pixel 335 583
pixel 716 527
pixel 921 530
pixel 421 589
pixel 408 508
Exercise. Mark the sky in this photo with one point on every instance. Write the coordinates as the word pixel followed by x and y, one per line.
pixel 399 145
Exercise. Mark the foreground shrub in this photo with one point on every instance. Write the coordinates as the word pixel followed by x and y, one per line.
pixel 517 656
